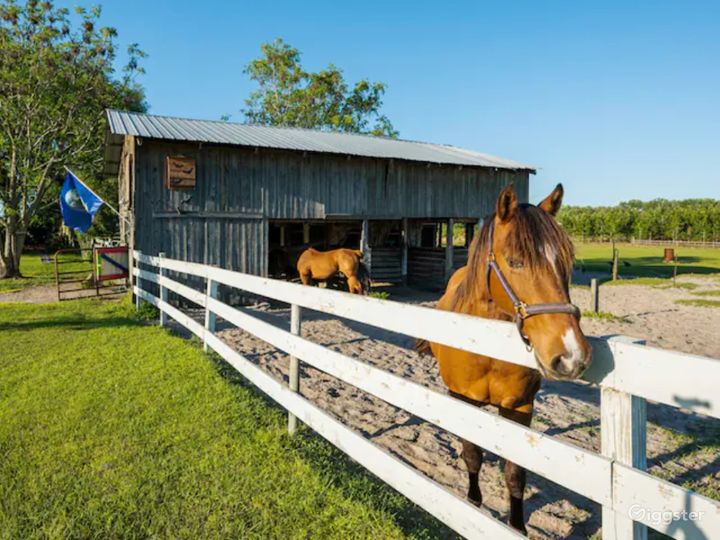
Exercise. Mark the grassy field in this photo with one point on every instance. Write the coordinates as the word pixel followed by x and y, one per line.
pixel 110 428
pixel 646 261
pixel 36 272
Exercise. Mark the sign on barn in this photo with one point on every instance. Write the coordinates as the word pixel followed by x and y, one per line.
pixel 179 172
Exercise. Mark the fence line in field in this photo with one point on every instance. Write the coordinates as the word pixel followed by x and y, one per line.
pixel 649 242
pixel 628 373
pixel 676 243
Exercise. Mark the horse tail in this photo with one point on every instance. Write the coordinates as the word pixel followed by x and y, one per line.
pixel 359 253
pixel 363 276
pixel 422 347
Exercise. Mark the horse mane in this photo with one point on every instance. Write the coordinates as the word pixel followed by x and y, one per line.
pixel 534 234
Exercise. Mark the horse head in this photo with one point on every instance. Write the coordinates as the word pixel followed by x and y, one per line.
pixel 526 266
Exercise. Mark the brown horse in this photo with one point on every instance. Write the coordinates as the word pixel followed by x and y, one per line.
pixel 519 268
pixel 314 265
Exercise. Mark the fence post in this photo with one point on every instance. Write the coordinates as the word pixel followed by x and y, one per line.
pixel 163 293
pixel 136 282
pixel 294 375
pixel 210 317
pixel 623 424
pixel 595 295
pixel 615 262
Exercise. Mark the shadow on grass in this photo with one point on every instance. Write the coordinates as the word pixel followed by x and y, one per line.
pixel 354 481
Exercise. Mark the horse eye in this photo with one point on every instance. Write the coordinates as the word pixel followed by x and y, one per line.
pixel 515 263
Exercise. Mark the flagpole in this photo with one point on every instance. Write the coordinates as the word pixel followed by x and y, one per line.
pixel 98 196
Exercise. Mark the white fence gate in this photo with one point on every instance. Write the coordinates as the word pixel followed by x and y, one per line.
pixel 628 373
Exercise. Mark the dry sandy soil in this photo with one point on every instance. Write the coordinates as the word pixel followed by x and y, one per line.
pixel 682 447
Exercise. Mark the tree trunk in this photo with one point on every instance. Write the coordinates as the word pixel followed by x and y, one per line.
pixel 12 250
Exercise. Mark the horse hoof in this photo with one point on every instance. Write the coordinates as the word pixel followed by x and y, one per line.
pixel 520 527
pixel 475 499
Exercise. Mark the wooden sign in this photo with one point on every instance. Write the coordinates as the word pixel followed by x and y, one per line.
pixel 179 172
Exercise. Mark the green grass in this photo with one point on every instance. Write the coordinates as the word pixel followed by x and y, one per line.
pixel 646 261
pixel 699 302
pixel 382 295
pixel 658 283
pixel 35 272
pixel 110 428
pixel 707 293
pixel 603 315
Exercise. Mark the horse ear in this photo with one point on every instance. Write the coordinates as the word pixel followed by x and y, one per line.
pixel 506 204
pixel 551 204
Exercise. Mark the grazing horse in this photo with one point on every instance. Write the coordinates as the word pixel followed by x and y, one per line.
pixel 518 269
pixel 314 265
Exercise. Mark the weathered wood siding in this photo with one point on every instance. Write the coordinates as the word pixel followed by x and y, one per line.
pixel 224 220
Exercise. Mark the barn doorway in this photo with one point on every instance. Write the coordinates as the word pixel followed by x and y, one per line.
pixel 288 239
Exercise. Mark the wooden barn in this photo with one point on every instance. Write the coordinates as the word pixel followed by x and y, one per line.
pixel 249 198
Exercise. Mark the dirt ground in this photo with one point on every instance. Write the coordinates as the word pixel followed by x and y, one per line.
pixel 41 294
pixel 682 447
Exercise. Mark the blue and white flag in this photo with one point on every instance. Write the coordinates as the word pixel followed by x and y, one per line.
pixel 78 203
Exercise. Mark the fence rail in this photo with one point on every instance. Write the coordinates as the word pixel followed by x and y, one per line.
pixel 627 373
pixel 676 243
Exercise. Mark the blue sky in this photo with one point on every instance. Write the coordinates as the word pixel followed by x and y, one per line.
pixel 617 100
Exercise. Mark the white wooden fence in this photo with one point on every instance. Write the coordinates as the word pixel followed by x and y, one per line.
pixel 628 373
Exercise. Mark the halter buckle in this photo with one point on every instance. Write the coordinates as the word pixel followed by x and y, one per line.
pixel 521 310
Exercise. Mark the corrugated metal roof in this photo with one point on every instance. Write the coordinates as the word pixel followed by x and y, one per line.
pixel 184 129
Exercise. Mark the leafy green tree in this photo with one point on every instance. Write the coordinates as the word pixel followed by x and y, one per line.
pixel 287 95
pixel 660 219
pixel 55 82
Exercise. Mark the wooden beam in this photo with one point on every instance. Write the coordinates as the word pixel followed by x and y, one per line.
pixel 210 317
pixel 623 424
pixel 449 249
pixel 294 374
pixel 404 261
pixel 365 244
pixel 163 293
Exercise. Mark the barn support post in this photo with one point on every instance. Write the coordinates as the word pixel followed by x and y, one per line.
pixel 404 260
pixel 294 375
pixel 163 292
pixel 365 244
pixel 210 317
pixel 623 437
pixel 306 233
pixel 449 250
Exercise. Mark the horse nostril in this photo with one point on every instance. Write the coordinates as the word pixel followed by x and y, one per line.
pixel 556 363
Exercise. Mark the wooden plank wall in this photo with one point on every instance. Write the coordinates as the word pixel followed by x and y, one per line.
pixel 224 220
pixel 426 268
pixel 387 265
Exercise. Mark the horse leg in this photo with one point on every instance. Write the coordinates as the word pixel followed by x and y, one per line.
pixel 354 285
pixel 472 455
pixel 515 476
pixel 306 278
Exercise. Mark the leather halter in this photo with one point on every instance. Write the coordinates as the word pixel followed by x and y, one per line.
pixel 522 310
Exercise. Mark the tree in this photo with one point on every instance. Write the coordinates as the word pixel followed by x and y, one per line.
pixel 660 219
pixel 287 95
pixel 55 83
